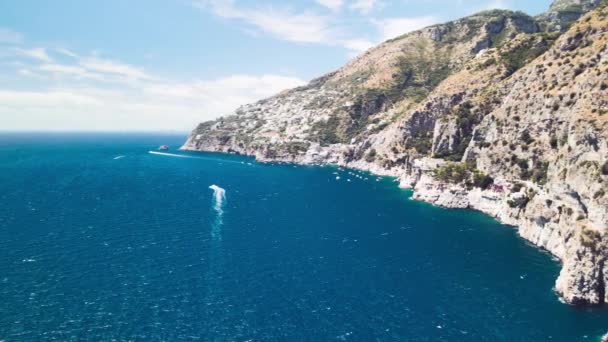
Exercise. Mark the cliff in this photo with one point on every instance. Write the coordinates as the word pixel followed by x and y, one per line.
pixel 499 112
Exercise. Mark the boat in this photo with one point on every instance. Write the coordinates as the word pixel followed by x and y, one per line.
pixel 163 148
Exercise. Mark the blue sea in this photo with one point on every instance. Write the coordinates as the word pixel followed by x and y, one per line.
pixel 102 240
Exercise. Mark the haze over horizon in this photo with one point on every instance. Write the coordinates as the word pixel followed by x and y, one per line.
pixel 165 66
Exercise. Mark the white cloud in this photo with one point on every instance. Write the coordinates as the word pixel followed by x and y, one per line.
pixel 35 53
pixel 303 28
pixel 67 52
pixel 284 24
pixel 114 68
pixel 281 23
pixel 95 68
pixel 333 5
pixel 364 6
pixel 243 86
pixel 75 71
pixel 26 72
pixel 490 5
pixel 499 4
pixel 150 106
pixel 18 100
pixel 394 27
pixel 91 92
pixel 357 45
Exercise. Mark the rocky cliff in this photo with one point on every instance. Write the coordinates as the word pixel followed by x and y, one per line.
pixel 499 112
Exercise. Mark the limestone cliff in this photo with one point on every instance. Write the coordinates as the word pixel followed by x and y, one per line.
pixel 499 112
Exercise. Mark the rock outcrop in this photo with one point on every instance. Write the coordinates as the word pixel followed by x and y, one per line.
pixel 498 112
pixel 562 13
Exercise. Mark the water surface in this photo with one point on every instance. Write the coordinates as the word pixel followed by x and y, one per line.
pixel 100 240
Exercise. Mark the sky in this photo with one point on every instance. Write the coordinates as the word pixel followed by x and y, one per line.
pixel 166 65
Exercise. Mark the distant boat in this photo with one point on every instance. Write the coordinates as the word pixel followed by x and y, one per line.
pixel 163 148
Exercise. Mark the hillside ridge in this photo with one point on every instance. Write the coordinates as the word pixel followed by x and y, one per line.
pixel 499 112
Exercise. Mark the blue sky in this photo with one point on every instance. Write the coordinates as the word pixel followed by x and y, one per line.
pixel 168 64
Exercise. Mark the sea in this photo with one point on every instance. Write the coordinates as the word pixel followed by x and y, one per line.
pixel 103 237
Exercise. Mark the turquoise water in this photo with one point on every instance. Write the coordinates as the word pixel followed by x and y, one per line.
pixel 101 240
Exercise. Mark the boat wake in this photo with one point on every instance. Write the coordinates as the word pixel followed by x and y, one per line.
pixel 219 198
pixel 118 157
pixel 170 154
pixel 174 155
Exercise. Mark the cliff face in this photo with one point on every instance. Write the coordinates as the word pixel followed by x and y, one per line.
pixel 364 97
pixel 563 12
pixel 498 112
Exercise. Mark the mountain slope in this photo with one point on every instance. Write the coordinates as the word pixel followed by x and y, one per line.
pixel 363 97
pixel 498 112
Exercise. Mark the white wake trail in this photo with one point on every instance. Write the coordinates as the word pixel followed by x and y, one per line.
pixel 174 155
pixel 170 154
pixel 219 198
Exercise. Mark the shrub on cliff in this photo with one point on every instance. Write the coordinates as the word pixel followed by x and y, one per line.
pixel 371 156
pixel 516 187
pixel 539 174
pixel 421 141
pixel 325 132
pixel 482 180
pixel 526 137
pixel 520 202
pixel 462 173
pixel 452 172
pixel 554 142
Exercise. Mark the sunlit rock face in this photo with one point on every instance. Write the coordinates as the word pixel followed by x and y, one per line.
pixel 498 112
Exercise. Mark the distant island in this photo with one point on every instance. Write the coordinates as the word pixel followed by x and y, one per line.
pixel 499 112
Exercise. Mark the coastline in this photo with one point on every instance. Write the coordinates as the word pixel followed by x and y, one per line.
pixel 581 280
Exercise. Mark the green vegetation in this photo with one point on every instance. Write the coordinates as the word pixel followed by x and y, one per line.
pixel 554 142
pixel 452 172
pixel 499 13
pixel 539 173
pixel 515 59
pixel 367 103
pixel 520 202
pixel 517 187
pixel 466 173
pixel 522 163
pixel 325 132
pixel 526 137
pixel 481 180
pixel 344 125
pixel 295 147
pixel 605 168
pixel 371 156
pixel 466 120
pixel 419 72
pixel 421 141
pixel 476 22
pixel 590 237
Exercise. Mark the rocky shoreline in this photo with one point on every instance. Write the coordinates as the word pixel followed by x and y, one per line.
pixel 498 112
pixel 579 282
